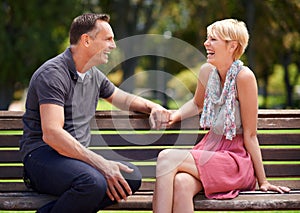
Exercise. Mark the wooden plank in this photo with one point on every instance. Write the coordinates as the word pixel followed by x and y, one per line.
pixel 185 139
pixel 279 139
pixel 13 187
pixel 23 201
pixel 31 201
pixel 250 202
pixel 121 139
pixel 147 153
pixel 11 114
pixel 138 123
pixel 278 123
pixel 273 119
pixel 161 139
pixel 115 113
pixel 9 140
pixel 281 154
pixel 273 113
pixel 294 185
pixel 11 124
pixel 130 154
pixel 11 172
pixel 148 171
pixel 10 156
pixel 152 139
pixel 282 170
pixel 146 185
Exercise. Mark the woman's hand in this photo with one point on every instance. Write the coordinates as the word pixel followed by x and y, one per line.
pixel 266 186
pixel 159 117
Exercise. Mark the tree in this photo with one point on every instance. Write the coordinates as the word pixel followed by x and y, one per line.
pixel 130 18
pixel 30 33
pixel 273 27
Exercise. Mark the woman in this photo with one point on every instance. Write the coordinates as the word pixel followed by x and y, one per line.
pixel 228 159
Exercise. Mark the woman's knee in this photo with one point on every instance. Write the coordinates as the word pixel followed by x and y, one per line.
pixel 181 183
pixel 163 158
pixel 168 161
pixel 185 185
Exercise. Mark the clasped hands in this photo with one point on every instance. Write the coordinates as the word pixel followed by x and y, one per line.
pixel 160 118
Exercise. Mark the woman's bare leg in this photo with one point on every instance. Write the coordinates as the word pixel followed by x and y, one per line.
pixel 186 187
pixel 169 163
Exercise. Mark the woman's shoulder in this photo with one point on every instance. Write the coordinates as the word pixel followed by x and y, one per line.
pixel 204 72
pixel 206 68
pixel 246 78
pixel 245 74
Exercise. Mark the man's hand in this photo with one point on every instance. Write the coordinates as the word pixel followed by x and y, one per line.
pixel 159 117
pixel 118 187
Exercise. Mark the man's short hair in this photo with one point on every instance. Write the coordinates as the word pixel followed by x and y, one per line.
pixel 83 24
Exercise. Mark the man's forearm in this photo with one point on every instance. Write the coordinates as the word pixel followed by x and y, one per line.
pixel 130 102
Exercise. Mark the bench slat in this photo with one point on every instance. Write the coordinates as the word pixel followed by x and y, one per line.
pixel 150 154
pixel 120 120
pixel 159 139
pixel 32 200
pixel 19 186
pixel 148 171
pixel 250 202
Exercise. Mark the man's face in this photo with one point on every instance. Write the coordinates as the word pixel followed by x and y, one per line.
pixel 102 43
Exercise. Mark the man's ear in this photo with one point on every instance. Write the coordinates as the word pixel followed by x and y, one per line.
pixel 85 39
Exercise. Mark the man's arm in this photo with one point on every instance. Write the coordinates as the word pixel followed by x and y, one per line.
pixel 52 121
pixel 159 116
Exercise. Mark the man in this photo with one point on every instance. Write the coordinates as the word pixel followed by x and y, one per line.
pixel 61 101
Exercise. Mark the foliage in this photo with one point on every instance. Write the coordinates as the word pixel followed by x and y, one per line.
pixel 33 31
pixel 30 32
pixel 184 84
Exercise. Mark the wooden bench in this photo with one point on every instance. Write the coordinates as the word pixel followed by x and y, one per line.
pixel 134 142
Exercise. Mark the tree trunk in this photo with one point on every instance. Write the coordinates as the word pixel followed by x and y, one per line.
pixel 6 94
pixel 265 87
pixel 250 17
pixel 128 67
pixel 289 88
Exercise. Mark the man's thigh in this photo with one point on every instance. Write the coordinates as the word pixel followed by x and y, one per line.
pixel 52 173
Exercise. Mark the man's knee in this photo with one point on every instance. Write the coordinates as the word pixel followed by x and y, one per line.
pixel 91 184
pixel 134 179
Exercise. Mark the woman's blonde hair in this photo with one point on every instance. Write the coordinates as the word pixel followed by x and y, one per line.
pixel 231 30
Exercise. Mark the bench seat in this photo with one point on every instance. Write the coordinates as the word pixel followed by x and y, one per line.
pixel 127 136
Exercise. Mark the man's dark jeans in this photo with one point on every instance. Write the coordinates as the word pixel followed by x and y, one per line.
pixel 79 186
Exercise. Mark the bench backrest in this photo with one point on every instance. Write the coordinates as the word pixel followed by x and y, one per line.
pixel 127 136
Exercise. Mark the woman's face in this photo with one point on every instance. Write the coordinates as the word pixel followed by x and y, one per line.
pixel 217 50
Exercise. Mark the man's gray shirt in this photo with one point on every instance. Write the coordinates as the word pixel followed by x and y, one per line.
pixel 57 82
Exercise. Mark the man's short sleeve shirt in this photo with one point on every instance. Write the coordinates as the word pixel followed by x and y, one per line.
pixel 57 82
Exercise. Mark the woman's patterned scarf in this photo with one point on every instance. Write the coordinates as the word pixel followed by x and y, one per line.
pixel 214 97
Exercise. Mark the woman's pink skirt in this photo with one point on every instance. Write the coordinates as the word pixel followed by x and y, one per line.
pixel 224 166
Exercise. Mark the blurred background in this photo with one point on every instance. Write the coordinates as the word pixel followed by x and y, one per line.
pixel 33 31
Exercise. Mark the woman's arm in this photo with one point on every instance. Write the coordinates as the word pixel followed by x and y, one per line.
pixel 247 95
